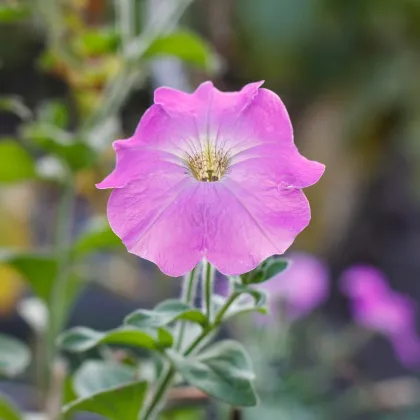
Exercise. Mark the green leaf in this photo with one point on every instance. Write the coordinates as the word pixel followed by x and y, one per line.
pixel 8 410
pixel 260 296
pixel 265 271
pixel 165 337
pixel 16 164
pixel 80 339
pixel 223 371
pixel 96 41
pixel 14 356
pixel 96 375
pixel 188 413
pixel 275 266
pixel 69 395
pixel 13 12
pixel 55 113
pixel 121 402
pixel 14 104
pixel 60 143
pixel 165 313
pixel 185 45
pixel 98 236
pixel 40 272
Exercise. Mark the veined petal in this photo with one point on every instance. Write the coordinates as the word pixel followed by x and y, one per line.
pixel 284 165
pixel 160 219
pixel 137 163
pixel 209 108
pixel 244 226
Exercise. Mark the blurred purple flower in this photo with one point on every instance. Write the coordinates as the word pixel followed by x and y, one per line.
pixel 376 306
pixel 300 288
pixel 222 285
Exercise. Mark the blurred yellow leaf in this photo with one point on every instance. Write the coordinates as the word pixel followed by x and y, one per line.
pixel 10 289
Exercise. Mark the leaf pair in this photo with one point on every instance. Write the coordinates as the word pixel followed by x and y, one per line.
pixel 222 371
pixel 142 328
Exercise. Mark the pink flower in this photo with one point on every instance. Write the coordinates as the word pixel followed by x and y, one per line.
pixel 376 306
pixel 301 287
pixel 210 174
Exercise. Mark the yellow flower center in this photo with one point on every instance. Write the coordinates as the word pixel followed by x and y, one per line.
pixel 208 164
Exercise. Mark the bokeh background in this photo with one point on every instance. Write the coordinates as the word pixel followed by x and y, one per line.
pixel 77 74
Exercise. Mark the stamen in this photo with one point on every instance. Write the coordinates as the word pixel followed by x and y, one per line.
pixel 208 164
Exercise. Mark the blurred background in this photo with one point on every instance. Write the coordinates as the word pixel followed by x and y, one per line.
pixel 77 74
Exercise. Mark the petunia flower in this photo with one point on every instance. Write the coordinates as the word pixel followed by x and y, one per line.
pixel 210 174
pixel 376 306
pixel 300 288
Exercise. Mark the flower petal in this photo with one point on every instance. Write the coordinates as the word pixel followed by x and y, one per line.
pixel 264 131
pixel 160 219
pixel 208 107
pixel 135 162
pixel 244 226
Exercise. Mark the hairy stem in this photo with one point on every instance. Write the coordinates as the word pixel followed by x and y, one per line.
pixel 188 294
pixel 167 378
pixel 208 282
pixel 218 320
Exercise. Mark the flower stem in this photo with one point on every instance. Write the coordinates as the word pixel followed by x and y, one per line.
pixel 168 377
pixel 213 326
pixel 208 290
pixel 63 239
pixel 162 387
pixel 188 294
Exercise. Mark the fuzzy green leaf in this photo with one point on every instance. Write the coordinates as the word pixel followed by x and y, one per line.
pixel 223 371
pixel 165 313
pixel 8 411
pixel 97 237
pixel 40 272
pixel 16 164
pixel 260 296
pixel 121 402
pixel 55 113
pixel 14 104
pixel 265 271
pixel 186 46
pixel 96 375
pixel 14 356
pixel 80 339
pixel 13 12
pixel 60 143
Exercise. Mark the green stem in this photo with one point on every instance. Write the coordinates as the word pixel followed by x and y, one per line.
pixel 125 11
pixel 57 304
pixel 167 378
pixel 162 388
pixel 218 320
pixel 119 86
pixel 188 294
pixel 208 290
pixel 190 286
